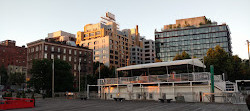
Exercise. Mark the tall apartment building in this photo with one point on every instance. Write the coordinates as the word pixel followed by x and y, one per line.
pixel 12 57
pixel 111 46
pixel 51 48
pixel 144 54
pixel 193 35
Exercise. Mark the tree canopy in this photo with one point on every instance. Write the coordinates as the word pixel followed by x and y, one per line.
pixel 16 78
pixel 223 62
pixel 42 75
pixel 181 56
pixel 4 76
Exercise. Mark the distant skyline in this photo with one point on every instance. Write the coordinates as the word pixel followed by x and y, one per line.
pixel 28 20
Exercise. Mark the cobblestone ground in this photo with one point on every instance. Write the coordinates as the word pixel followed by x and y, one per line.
pixel 109 105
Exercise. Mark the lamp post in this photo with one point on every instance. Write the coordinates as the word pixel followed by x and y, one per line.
pixel 248 51
pixel 53 77
pixel 99 90
pixel 79 68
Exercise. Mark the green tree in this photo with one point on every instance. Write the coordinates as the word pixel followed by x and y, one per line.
pixel 235 73
pixel 42 75
pixel 177 57
pixel 220 59
pixel 4 76
pixel 17 79
pixel 245 69
pixel 63 76
pixel 183 55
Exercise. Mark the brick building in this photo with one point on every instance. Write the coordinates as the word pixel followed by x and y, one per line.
pixel 50 49
pixel 12 56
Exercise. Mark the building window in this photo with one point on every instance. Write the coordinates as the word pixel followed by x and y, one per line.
pixel 52 56
pixel 45 55
pixel 64 51
pixel 46 47
pixel 74 59
pixel 74 66
pixel 75 74
pixel 59 49
pixel 80 52
pixel 52 48
pixel 32 49
pixel 36 48
pixel 85 59
pixel 69 58
pixel 80 59
pixel 64 57
pixel 69 51
pixel 58 56
pixel 96 58
pixel 75 52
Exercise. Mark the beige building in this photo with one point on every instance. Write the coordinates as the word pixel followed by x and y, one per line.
pixel 62 36
pixel 180 23
pixel 110 45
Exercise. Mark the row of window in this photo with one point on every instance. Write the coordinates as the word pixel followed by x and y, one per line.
pixel 193 37
pixel 196 43
pixel 92 34
pixel 191 31
pixel 52 56
pixel 54 49
pixel 197 53
pixel 190 47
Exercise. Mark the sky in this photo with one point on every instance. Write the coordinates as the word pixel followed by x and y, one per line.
pixel 28 20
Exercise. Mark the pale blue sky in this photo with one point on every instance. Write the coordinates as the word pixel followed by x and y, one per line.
pixel 29 20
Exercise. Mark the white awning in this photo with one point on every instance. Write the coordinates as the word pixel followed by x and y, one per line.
pixel 195 62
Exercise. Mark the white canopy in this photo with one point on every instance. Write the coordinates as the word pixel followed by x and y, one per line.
pixel 195 62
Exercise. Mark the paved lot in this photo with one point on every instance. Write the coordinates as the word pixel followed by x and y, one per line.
pixel 101 105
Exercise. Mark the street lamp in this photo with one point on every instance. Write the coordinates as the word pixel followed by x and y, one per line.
pixel 79 68
pixel 99 80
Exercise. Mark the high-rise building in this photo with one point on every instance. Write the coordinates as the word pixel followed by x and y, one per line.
pixel 144 54
pixel 50 48
pixel 149 51
pixel 111 46
pixel 193 35
pixel 12 57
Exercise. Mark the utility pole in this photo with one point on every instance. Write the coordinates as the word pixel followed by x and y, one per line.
pixel 53 77
pixel 79 68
